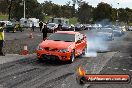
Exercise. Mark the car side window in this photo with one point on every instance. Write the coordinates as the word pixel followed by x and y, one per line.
pixel 79 38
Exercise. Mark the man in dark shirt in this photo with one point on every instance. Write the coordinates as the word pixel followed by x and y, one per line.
pixel 41 25
pixel 45 31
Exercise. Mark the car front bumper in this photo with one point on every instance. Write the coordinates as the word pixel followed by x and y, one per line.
pixel 50 55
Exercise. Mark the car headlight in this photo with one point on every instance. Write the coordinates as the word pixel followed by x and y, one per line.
pixel 39 48
pixel 63 50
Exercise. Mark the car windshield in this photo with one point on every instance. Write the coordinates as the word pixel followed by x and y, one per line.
pixel 62 37
pixel 51 25
pixel 106 30
pixel 65 25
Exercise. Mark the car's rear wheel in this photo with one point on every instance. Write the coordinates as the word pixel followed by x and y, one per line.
pixel 72 58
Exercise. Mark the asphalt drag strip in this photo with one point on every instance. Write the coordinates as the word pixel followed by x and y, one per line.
pixel 29 73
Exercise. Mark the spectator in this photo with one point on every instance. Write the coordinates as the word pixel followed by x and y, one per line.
pixel 45 31
pixel 41 25
pixel 59 28
pixel 2 39
pixel 33 26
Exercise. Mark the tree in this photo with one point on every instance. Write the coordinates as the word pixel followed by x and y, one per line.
pixel 129 14
pixel 114 15
pixel 56 10
pixel 122 15
pixel 47 7
pixel 85 13
pixel 103 11
pixel 3 7
pixel 33 9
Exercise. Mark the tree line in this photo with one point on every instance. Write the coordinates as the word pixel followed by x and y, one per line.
pixel 85 12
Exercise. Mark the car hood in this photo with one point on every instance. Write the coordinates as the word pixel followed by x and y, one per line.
pixel 56 44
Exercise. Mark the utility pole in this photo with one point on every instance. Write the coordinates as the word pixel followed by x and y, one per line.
pixel 117 14
pixel 24 9
pixel 24 5
pixel 9 8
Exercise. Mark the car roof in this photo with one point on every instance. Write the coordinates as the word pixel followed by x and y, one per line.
pixel 67 32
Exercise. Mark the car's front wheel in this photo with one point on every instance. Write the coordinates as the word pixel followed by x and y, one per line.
pixel 84 51
pixel 72 58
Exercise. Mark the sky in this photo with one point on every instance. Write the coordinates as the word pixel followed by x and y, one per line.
pixel 94 3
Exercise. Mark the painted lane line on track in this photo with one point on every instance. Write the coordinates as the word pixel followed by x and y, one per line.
pixel 109 67
pixel 129 57
pixel 124 69
pixel 121 56
pixel 119 69
pixel 14 77
pixel 115 68
pixel 39 35
pixel 63 85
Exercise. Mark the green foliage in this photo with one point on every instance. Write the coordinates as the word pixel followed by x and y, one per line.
pixel 103 11
pixel 3 7
pixel 73 20
pixel 55 10
pixel 3 17
pixel 47 18
pixel 114 15
pixel 85 13
pixel 33 9
pixel 130 24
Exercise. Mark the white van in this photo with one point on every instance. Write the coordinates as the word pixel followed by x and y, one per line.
pixel 28 22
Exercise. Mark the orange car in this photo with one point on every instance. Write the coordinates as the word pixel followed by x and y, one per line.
pixel 62 45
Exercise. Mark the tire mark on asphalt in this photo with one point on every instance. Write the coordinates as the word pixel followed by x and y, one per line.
pixel 20 79
pixel 37 79
pixel 6 67
pixel 48 75
pixel 10 70
pixel 2 79
pixel 53 82
pixel 100 61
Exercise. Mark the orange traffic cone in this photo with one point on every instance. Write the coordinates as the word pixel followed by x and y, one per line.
pixel 31 35
pixel 25 51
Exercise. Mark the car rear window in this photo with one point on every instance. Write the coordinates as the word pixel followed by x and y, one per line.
pixel 62 37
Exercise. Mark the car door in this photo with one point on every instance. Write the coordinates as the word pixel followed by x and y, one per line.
pixel 83 43
pixel 78 45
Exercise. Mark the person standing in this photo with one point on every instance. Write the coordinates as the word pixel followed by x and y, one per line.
pixel 59 28
pixel 2 39
pixel 33 26
pixel 41 25
pixel 45 31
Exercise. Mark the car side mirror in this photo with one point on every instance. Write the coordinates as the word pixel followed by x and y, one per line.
pixel 84 36
pixel 78 42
